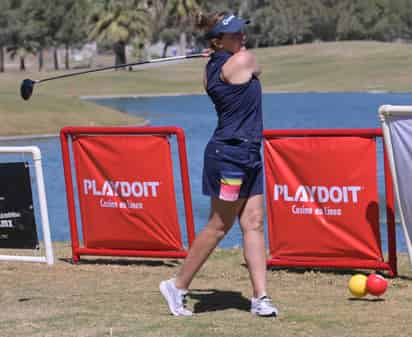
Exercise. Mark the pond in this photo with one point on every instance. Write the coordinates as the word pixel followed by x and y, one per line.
pixel 195 114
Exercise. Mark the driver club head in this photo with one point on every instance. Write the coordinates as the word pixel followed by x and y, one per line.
pixel 26 88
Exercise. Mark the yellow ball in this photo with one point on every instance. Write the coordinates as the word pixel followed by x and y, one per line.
pixel 357 285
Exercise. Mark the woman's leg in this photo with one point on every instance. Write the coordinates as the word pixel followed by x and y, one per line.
pixel 251 223
pixel 221 219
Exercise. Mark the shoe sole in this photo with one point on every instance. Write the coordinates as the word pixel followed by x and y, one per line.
pixel 272 314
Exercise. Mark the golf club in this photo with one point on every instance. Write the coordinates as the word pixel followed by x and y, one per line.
pixel 27 85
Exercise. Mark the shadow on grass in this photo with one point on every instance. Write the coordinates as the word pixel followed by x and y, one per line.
pixel 302 270
pixel 218 300
pixel 344 272
pixel 335 271
pixel 403 277
pixel 357 299
pixel 124 262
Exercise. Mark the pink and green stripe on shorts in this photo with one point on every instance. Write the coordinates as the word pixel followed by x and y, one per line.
pixel 230 183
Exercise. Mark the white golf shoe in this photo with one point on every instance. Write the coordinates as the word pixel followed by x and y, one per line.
pixel 175 298
pixel 263 306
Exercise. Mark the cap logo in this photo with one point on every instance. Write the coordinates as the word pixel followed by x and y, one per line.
pixel 226 21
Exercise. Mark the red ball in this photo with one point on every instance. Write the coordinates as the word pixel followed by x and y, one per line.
pixel 376 284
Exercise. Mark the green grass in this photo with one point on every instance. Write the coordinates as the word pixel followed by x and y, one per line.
pixel 121 295
pixel 323 67
pixel 342 66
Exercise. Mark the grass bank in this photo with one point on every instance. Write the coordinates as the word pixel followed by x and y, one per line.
pixel 119 298
pixel 326 67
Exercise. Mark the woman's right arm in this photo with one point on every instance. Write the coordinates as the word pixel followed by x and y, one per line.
pixel 205 80
pixel 208 53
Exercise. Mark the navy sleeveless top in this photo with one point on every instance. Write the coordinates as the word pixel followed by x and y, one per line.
pixel 238 106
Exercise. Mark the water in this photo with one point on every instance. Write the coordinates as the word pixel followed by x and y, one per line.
pixel 195 114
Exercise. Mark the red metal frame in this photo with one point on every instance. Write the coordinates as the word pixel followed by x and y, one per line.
pixel 69 132
pixel 391 264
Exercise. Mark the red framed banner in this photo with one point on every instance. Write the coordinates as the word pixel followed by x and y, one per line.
pixel 322 199
pixel 125 191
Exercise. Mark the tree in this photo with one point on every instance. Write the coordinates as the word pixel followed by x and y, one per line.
pixel 396 20
pixel 294 18
pixel 55 16
pixel 266 27
pixel 168 36
pixel 22 31
pixel 181 11
pixel 404 9
pixel 163 25
pixel 160 26
pixel 119 21
pixel 72 30
pixel 370 14
pixel 324 16
pixel 4 32
pixel 372 19
pixel 38 16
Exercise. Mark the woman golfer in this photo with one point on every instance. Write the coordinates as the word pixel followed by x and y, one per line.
pixel 232 173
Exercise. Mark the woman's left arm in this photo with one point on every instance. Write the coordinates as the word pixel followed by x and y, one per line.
pixel 241 67
pixel 253 64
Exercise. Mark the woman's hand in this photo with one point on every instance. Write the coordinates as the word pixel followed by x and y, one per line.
pixel 207 52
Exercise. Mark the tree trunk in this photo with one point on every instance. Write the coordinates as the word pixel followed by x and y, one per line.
pixel 183 43
pixel 119 49
pixel 55 59
pixel 141 52
pixel 66 57
pixel 164 53
pixel 41 59
pixel 1 59
pixel 148 54
pixel 22 64
pixel 243 8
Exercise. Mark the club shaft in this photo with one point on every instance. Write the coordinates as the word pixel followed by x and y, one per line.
pixel 165 59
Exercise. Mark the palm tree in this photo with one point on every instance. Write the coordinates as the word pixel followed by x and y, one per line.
pixel 72 30
pixel 159 22
pixel 119 21
pixel 4 7
pixel 22 31
pixel 181 10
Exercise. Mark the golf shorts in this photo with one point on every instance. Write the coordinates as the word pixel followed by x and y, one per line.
pixel 232 169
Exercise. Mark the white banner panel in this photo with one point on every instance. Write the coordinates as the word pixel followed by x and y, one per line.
pixel 397 130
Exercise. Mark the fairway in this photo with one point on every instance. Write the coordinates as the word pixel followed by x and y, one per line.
pixel 317 67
